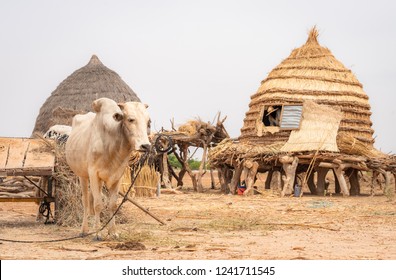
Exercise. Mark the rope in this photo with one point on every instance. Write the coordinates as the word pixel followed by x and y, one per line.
pixel 125 198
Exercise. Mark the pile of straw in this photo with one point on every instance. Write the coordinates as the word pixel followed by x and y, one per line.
pixel 229 152
pixel 348 144
pixel 145 184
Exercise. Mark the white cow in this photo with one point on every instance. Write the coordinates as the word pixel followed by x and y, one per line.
pixel 98 150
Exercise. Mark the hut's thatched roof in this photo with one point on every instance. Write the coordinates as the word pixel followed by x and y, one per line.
pixel 76 93
pixel 310 72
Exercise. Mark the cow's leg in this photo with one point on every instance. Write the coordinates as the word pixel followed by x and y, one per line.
pixel 113 195
pixel 85 202
pixel 96 190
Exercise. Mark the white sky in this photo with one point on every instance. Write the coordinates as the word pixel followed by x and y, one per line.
pixel 189 58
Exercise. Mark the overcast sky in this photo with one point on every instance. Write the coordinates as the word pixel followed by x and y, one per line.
pixel 189 59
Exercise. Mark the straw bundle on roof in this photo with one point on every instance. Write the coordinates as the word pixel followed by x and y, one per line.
pixel 76 93
pixel 311 72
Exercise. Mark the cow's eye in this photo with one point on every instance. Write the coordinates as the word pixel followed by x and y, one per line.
pixel 131 120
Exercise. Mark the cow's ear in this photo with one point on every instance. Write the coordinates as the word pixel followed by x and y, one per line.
pixel 121 105
pixel 118 117
pixel 145 105
pixel 96 105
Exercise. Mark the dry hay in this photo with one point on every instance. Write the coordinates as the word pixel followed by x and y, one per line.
pixel 194 127
pixel 229 152
pixel 348 144
pixel 146 181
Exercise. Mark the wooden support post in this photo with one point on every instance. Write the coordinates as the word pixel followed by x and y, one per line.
pixel 251 178
pixel 337 187
pixel 277 179
pixel 321 183
pixel 373 180
pixel 201 169
pixel 212 179
pixel 165 172
pixel 269 179
pixel 311 182
pixel 290 173
pixel 388 191
pixel 341 180
pixel 222 180
pixel 236 178
pixel 353 176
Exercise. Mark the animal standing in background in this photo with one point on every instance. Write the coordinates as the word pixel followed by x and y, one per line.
pixel 58 132
pixel 98 150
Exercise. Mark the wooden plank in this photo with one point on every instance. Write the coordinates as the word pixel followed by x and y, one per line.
pixel 4 146
pixel 25 156
pixel 17 152
pixel 39 155
pixel 27 199
pixel 33 171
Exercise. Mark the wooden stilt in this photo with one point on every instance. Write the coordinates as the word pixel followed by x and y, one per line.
pixel 251 178
pixel 165 171
pixel 353 176
pixel 311 182
pixel 337 188
pixel 212 179
pixel 341 180
pixel 235 178
pixel 373 180
pixel 269 179
pixel 320 185
pixel 201 169
pixel 290 173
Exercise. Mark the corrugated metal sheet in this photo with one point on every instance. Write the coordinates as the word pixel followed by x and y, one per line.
pixel 291 117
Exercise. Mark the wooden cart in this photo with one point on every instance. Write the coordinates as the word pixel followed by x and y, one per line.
pixel 29 157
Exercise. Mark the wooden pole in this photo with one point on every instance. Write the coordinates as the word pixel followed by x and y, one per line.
pixel 341 180
pixel 269 179
pixel 251 175
pixel 320 185
pixel 354 181
pixel 311 182
pixel 236 178
pixel 142 208
pixel 290 174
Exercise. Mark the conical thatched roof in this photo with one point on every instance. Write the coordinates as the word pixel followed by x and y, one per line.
pixel 76 93
pixel 311 72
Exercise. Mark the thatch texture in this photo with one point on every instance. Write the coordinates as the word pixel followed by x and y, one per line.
pixel 318 130
pixel 76 93
pixel 311 72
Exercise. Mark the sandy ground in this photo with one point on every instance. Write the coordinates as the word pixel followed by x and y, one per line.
pixel 212 226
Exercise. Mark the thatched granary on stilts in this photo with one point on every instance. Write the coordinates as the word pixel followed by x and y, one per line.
pixel 77 92
pixel 310 115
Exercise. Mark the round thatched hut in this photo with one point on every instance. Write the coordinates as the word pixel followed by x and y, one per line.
pixel 311 72
pixel 75 94
pixel 309 116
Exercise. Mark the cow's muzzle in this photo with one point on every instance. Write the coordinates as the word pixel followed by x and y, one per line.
pixel 145 148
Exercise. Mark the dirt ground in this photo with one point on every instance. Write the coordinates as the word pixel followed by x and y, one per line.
pixel 211 226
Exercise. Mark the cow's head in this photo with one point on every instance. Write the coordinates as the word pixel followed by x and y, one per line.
pixel 136 124
pixel 109 113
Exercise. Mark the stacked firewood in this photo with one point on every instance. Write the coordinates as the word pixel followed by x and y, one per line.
pixel 18 187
